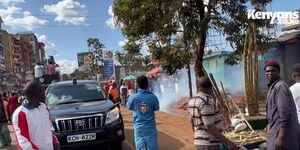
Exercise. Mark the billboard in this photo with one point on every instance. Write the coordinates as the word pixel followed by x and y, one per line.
pixel 109 67
pixel 83 58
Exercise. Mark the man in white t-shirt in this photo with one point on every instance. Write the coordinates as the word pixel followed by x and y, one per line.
pixel 295 89
pixel 124 93
pixel 38 70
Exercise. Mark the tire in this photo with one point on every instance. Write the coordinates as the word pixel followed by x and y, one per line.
pixel 116 145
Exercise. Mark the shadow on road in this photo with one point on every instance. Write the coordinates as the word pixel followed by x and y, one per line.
pixel 165 141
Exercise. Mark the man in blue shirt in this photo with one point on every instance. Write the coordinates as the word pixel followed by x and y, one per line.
pixel 143 104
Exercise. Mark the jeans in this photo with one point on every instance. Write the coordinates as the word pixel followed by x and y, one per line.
pixel 124 99
pixel 4 134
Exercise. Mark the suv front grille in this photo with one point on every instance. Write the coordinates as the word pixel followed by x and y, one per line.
pixel 79 123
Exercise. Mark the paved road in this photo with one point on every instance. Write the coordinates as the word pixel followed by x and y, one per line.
pixel 174 133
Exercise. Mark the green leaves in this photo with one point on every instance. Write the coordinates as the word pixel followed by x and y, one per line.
pixel 96 49
pixel 171 57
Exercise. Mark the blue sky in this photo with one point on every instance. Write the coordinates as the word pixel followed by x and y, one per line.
pixel 65 35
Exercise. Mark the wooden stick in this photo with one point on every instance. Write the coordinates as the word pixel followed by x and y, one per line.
pixel 227 101
pixel 237 107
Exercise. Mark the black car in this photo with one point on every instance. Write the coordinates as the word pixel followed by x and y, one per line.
pixel 82 115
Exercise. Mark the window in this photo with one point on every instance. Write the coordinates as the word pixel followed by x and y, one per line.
pixel 75 93
pixel 17 42
pixel 2 62
pixel 1 51
pixel 31 39
pixel 0 38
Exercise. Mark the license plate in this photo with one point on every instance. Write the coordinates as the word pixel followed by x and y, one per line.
pixel 81 137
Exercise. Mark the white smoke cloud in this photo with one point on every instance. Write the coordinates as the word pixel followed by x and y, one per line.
pixel 170 89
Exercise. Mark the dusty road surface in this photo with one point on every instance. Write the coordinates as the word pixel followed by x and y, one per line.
pixel 174 133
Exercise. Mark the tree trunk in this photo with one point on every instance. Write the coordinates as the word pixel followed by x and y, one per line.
pixel 250 99
pixel 190 81
pixel 255 73
pixel 199 55
pixel 246 63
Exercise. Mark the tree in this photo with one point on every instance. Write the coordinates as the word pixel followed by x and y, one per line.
pixel 163 20
pixel 96 49
pixel 123 58
pixel 171 57
pixel 132 49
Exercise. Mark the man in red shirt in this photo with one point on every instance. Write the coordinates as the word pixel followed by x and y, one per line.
pixel 129 85
pixel 13 103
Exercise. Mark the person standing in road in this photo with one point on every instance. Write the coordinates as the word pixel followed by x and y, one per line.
pixel 114 93
pixel 4 118
pixel 31 121
pixel 124 93
pixel 205 119
pixel 295 88
pixel 13 103
pixel 143 104
pixel 282 117
pixel 38 70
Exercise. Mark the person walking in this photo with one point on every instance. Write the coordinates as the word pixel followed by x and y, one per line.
pixel 124 93
pixel 282 117
pixel 5 139
pixel 295 88
pixel 39 70
pixel 205 119
pixel 31 121
pixel 13 103
pixel 143 104
pixel 114 93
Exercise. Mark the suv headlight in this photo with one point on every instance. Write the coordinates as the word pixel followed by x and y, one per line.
pixel 112 115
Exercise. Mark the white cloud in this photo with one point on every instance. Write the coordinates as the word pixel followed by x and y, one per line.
pixel 27 21
pixel 111 22
pixel 122 43
pixel 7 2
pixel 67 66
pixel 49 46
pixel 68 11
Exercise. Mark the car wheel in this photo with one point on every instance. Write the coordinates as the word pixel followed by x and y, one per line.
pixel 116 145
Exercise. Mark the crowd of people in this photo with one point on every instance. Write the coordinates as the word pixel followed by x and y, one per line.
pixel 9 102
pixel 283 114
pixel 119 92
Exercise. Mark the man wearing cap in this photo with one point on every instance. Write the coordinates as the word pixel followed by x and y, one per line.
pixel 281 112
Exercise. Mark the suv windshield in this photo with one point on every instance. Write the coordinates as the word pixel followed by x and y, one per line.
pixel 74 93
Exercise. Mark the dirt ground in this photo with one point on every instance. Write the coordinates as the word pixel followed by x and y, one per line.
pixel 174 133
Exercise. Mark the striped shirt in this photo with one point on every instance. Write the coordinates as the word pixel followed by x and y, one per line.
pixel 203 113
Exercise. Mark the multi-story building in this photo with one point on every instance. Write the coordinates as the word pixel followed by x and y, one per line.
pixel 14 61
pixel 3 51
pixel 41 52
pixel 32 39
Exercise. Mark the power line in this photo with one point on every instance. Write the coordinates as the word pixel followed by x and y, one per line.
pixel 53 25
pixel 43 15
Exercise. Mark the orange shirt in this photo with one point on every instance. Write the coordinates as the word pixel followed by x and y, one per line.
pixel 114 93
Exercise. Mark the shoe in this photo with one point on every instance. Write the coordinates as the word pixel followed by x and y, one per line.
pixel 2 146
